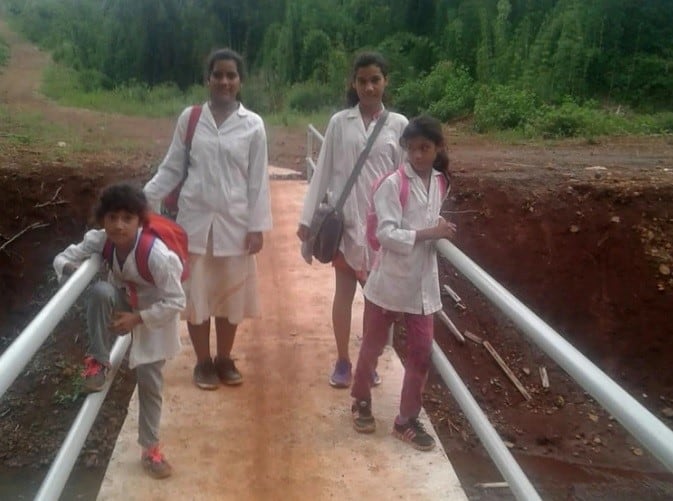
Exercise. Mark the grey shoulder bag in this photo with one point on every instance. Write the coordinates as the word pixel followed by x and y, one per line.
pixel 327 225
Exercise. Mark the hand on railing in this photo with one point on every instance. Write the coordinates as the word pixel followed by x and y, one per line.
pixel 68 270
pixel 443 229
pixel 124 322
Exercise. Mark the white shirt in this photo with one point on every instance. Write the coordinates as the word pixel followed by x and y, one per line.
pixel 159 304
pixel 345 139
pixel 227 186
pixel 405 277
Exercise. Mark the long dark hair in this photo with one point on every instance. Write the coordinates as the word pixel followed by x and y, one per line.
pixel 429 128
pixel 363 60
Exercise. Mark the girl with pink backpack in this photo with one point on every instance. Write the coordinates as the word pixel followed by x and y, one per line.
pixel 405 282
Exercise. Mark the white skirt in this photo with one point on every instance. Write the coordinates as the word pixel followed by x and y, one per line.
pixel 222 287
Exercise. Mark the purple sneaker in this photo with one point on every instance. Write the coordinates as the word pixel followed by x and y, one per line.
pixel 342 376
pixel 376 379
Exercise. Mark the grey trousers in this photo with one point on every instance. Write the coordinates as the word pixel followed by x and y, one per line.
pixel 104 300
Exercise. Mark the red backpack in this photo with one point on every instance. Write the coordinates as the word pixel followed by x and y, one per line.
pixel 372 221
pixel 169 205
pixel 169 232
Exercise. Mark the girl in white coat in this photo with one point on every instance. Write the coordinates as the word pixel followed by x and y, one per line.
pixel 404 283
pixel 345 138
pixel 125 303
pixel 224 206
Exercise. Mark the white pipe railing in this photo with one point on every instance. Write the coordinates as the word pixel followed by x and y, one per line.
pixel 503 459
pixel 19 353
pixel 642 424
pixel 53 484
pixel 311 133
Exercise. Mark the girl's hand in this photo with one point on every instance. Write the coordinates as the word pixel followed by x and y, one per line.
pixel 125 321
pixel 254 241
pixel 303 232
pixel 445 229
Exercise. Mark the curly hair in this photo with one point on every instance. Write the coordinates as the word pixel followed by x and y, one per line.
pixel 121 196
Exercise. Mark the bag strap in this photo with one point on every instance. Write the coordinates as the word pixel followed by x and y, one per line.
pixel 404 186
pixel 143 249
pixel 142 254
pixel 443 185
pixel 194 115
pixel 361 161
pixel 108 252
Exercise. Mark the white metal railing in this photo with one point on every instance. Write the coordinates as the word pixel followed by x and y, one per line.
pixel 642 424
pixel 311 134
pixel 20 352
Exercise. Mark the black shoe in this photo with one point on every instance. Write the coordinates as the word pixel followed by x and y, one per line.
pixel 227 371
pixel 363 421
pixel 414 433
pixel 205 375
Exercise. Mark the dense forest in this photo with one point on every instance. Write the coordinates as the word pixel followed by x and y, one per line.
pixel 453 58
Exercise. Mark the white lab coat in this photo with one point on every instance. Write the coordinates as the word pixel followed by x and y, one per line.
pixel 159 304
pixel 345 139
pixel 227 187
pixel 405 277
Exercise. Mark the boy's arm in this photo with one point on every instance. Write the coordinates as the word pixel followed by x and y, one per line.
pixel 70 259
pixel 166 270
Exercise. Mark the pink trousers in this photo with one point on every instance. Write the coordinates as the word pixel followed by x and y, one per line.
pixel 376 322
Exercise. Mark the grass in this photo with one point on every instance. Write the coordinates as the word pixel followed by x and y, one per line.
pixel 30 131
pixel 297 120
pixel 70 88
pixel 4 52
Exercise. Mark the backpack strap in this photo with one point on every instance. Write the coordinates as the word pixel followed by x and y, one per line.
pixel 143 249
pixel 194 116
pixel 443 185
pixel 108 252
pixel 404 187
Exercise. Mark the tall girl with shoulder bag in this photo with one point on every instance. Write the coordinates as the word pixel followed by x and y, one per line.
pixel 327 225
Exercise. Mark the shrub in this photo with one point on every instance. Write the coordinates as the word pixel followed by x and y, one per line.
pixel 310 96
pixel 502 107
pixel 92 80
pixel 663 121
pixel 447 92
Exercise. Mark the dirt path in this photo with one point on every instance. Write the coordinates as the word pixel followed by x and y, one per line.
pixel 285 433
pixel 19 91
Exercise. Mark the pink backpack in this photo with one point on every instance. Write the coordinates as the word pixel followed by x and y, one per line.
pixel 372 220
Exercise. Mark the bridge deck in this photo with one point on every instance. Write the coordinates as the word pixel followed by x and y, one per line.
pixel 285 433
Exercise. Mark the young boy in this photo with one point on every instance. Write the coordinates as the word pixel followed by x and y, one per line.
pixel 128 303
